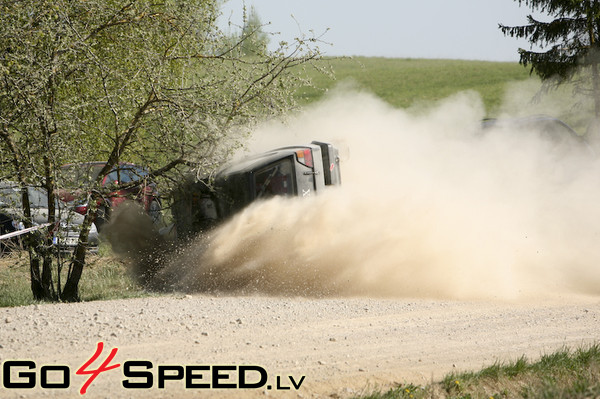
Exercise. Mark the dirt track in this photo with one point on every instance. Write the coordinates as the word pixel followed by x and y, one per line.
pixel 342 346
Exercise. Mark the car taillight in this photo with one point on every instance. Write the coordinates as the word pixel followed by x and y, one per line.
pixel 81 209
pixel 305 157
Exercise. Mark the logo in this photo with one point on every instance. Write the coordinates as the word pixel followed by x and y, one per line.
pixel 143 374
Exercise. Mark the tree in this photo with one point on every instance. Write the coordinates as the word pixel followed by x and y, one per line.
pixel 255 40
pixel 114 80
pixel 573 37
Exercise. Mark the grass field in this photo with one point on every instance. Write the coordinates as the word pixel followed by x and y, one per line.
pixel 504 87
pixel 405 82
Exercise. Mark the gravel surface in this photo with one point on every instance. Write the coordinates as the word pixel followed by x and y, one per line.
pixel 341 346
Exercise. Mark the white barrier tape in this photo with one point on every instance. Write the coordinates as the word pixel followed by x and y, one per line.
pixel 24 231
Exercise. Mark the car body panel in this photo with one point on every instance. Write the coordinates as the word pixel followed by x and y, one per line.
pixel 68 225
pixel 79 178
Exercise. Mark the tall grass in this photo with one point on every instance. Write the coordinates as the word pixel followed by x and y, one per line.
pixel 14 280
pixel 104 277
pixel 562 374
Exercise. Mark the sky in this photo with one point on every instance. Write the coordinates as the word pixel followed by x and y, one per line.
pixel 448 29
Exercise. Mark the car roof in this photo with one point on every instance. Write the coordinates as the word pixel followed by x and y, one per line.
pixel 540 123
pixel 37 195
pixel 95 163
pixel 8 184
pixel 250 163
pixel 527 121
pixel 5 184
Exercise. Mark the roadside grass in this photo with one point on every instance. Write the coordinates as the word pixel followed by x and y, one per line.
pixel 404 82
pixel 563 374
pixel 105 277
pixel 14 280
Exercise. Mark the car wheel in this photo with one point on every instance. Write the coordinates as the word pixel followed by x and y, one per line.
pixel 5 228
pixel 3 244
pixel 155 212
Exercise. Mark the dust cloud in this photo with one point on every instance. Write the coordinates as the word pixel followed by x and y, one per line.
pixel 429 207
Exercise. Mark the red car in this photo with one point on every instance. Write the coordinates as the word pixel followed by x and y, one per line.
pixel 126 181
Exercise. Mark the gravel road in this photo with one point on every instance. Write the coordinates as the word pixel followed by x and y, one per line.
pixel 340 346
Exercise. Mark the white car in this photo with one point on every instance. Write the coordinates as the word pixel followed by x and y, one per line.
pixel 66 231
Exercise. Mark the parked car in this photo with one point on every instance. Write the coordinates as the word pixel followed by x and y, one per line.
pixel 126 181
pixel 65 233
pixel 299 171
pixel 7 225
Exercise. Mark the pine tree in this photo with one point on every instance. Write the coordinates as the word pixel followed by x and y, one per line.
pixel 574 40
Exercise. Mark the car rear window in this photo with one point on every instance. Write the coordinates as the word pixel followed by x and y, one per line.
pixel 126 175
pixel 79 175
pixel 276 179
pixel 10 197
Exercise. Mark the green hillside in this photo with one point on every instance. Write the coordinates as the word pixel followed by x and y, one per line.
pixel 405 82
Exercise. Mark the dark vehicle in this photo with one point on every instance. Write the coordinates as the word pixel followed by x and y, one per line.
pixel 7 225
pixel 300 171
pixel 127 181
pixel 66 232
pixel 549 128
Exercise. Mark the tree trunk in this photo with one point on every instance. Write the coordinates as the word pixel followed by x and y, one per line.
pixel 37 287
pixel 47 283
pixel 594 54
pixel 42 286
pixel 596 86
pixel 70 292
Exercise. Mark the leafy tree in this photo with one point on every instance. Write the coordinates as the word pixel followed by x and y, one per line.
pixel 114 80
pixel 255 40
pixel 574 40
